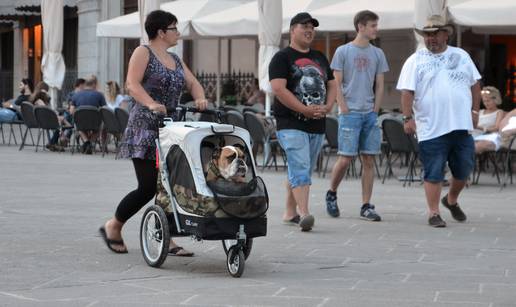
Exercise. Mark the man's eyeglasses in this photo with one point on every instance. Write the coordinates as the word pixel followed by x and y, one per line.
pixel 173 29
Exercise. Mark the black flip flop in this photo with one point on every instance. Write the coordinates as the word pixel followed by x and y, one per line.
pixel 175 250
pixel 110 242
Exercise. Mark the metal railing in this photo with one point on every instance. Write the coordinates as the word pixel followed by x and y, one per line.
pixel 235 87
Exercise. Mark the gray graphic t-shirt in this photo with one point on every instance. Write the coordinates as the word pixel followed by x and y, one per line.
pixel 359 67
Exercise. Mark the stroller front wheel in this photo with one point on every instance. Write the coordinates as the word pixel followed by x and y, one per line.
pixel 248 245
pixel 235 261
pixel 154 236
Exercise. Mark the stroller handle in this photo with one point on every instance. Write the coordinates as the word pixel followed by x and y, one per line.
pixel 182 110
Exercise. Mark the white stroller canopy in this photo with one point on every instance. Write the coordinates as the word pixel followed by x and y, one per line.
pixel 188 136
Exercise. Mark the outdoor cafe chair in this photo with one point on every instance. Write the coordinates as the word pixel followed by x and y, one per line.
pixel 259 136
pixel 86 118
pixel 400 142
pixel 48 121
pixel 235 118
pixel 122 116
pixel 111 127
pixel 30 122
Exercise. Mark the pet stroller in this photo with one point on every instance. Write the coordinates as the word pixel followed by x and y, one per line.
pixel 188 205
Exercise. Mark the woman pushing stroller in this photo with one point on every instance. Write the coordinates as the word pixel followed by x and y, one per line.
pixel 155 80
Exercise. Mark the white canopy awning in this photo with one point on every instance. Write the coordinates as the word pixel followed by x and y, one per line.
pixel 185 10
pixel 339 17
pixel 484 13
pixel 494 16
pixel 243 20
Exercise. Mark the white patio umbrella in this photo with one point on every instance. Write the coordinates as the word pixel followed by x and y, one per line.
pixel 480 13
pixel 394 15
pixel 269 35
pixel 52 64
pixel 128 26
pixel 243 20
pixel 144 8
pixel 493 17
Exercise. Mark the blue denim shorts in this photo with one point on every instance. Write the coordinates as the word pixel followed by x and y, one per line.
pixel 302 150
pixel 457 148
pixel 359 132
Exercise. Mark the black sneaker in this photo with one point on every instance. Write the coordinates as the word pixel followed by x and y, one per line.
pixel 85 146
pixel 436 221
pixel 455 210
pixel 367 212
pixel 331 204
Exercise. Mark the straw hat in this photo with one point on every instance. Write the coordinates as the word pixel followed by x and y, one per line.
pixel 435 23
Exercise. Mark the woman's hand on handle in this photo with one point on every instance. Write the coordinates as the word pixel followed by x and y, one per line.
pixel 158 108
pixel 201 103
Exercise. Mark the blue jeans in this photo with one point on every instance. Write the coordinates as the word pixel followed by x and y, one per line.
pixel 359 132
pixel 302 150
pixel 457 148
pixel 7 116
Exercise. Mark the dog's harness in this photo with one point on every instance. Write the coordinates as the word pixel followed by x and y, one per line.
pixel 214 169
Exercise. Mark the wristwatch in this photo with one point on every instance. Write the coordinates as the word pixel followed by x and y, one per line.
pixel 406 118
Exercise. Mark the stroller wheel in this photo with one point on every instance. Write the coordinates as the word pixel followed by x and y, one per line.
pixel 235 261
pixel 154 236
pixel 227 244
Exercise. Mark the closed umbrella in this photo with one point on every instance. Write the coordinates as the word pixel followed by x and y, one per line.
pixel 52 64
pixel 269 35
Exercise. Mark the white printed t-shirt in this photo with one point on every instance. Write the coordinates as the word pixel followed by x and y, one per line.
pixel 442 90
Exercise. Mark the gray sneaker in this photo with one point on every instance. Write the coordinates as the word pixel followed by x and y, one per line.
pixel 307 222
pixel 367 212
pixel 436 221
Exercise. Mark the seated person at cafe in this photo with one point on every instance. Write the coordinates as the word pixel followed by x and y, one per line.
pixel 89 96
pixel 40 96
pixel 508 128
pixel 10 109
pixel 486 134
pixel 257 95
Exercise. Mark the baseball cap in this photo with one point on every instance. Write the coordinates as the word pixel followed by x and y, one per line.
pixel 304 17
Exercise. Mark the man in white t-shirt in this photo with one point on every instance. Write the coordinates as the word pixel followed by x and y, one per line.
pixel 440 98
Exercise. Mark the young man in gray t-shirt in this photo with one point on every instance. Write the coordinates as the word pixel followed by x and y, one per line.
pixel 358 66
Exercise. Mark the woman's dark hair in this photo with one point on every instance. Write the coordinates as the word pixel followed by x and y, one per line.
pixel 158 20
pixel 40 92
pixel 29 83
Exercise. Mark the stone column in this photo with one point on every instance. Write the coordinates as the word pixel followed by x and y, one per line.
pixel 20 64
pixel 111 55
pixel 99 56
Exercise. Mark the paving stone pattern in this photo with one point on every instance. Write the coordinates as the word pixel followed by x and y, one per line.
pixel 51 255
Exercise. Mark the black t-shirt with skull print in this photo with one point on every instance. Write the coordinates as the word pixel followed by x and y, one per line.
pixel 307 74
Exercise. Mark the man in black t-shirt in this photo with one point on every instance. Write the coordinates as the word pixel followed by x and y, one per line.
pixel 305 91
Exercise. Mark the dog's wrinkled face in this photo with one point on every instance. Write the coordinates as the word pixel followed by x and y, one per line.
pixel 231 162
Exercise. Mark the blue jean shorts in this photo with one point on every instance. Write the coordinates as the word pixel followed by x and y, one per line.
pixel 302 150
pixel 359 132
pixel 457 148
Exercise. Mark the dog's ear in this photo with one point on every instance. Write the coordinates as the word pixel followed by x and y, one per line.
pixel 215 155
pixel 240 146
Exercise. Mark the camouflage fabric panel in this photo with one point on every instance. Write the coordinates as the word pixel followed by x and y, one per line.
pixel 162 197
pixel 196 204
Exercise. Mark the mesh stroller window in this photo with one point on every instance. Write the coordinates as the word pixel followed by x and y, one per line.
pixel 247 199
pixel 179 169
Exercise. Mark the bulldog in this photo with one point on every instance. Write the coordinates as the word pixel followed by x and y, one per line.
pixel 228 163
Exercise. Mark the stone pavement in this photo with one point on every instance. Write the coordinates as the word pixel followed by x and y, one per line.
pixel 51 255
